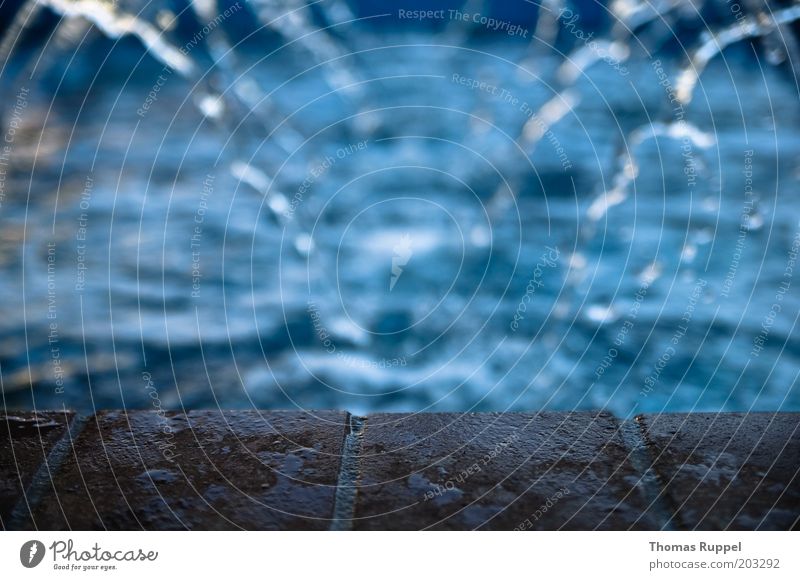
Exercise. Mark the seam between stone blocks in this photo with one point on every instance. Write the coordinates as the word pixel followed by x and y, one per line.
pixel 42 481
pixel 349 473
pixel 635 438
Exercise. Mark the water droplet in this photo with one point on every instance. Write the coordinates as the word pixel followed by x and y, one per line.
pixel 252 176
pixel 157 476
pixel 689 253
pixel 600 314
pixel 577 261
pixel 480 236
pixel 754 222
pixel 606 201
pixel 278 203
pixel 711 204
pixel 210 105
pixel 561 310
pixel 631 169
pixel 304 244
pixel 166 19
pixel 346 330
pixel 703 236
pixel 776 56
pixel 651 273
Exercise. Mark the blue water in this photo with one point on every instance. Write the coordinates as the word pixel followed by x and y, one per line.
pixel 398 216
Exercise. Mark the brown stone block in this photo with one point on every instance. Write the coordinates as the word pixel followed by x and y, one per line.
pixel 728 471
pixel 201 470
pixel 26 439
pixel 498 471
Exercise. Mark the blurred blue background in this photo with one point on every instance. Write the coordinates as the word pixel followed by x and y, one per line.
pixel 332 205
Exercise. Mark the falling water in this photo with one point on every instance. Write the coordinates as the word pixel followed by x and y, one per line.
pixel 327 205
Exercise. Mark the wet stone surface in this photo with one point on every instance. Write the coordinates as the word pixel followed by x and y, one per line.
pixel 206 470
pixel 497 471
pixel 728 471
pixel 327 470
pixel 26 439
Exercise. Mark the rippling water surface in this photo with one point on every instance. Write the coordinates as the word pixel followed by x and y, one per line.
pixel 276 205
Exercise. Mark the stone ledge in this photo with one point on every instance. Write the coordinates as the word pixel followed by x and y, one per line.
pixel 498 471
pixel 26 442
pixel 328 470
pixel 732 471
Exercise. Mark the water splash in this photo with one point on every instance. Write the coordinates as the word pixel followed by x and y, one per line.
pixel 749 27
pixel 115 23
pixel 619 190
pixel 236 96
pixel 292 20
